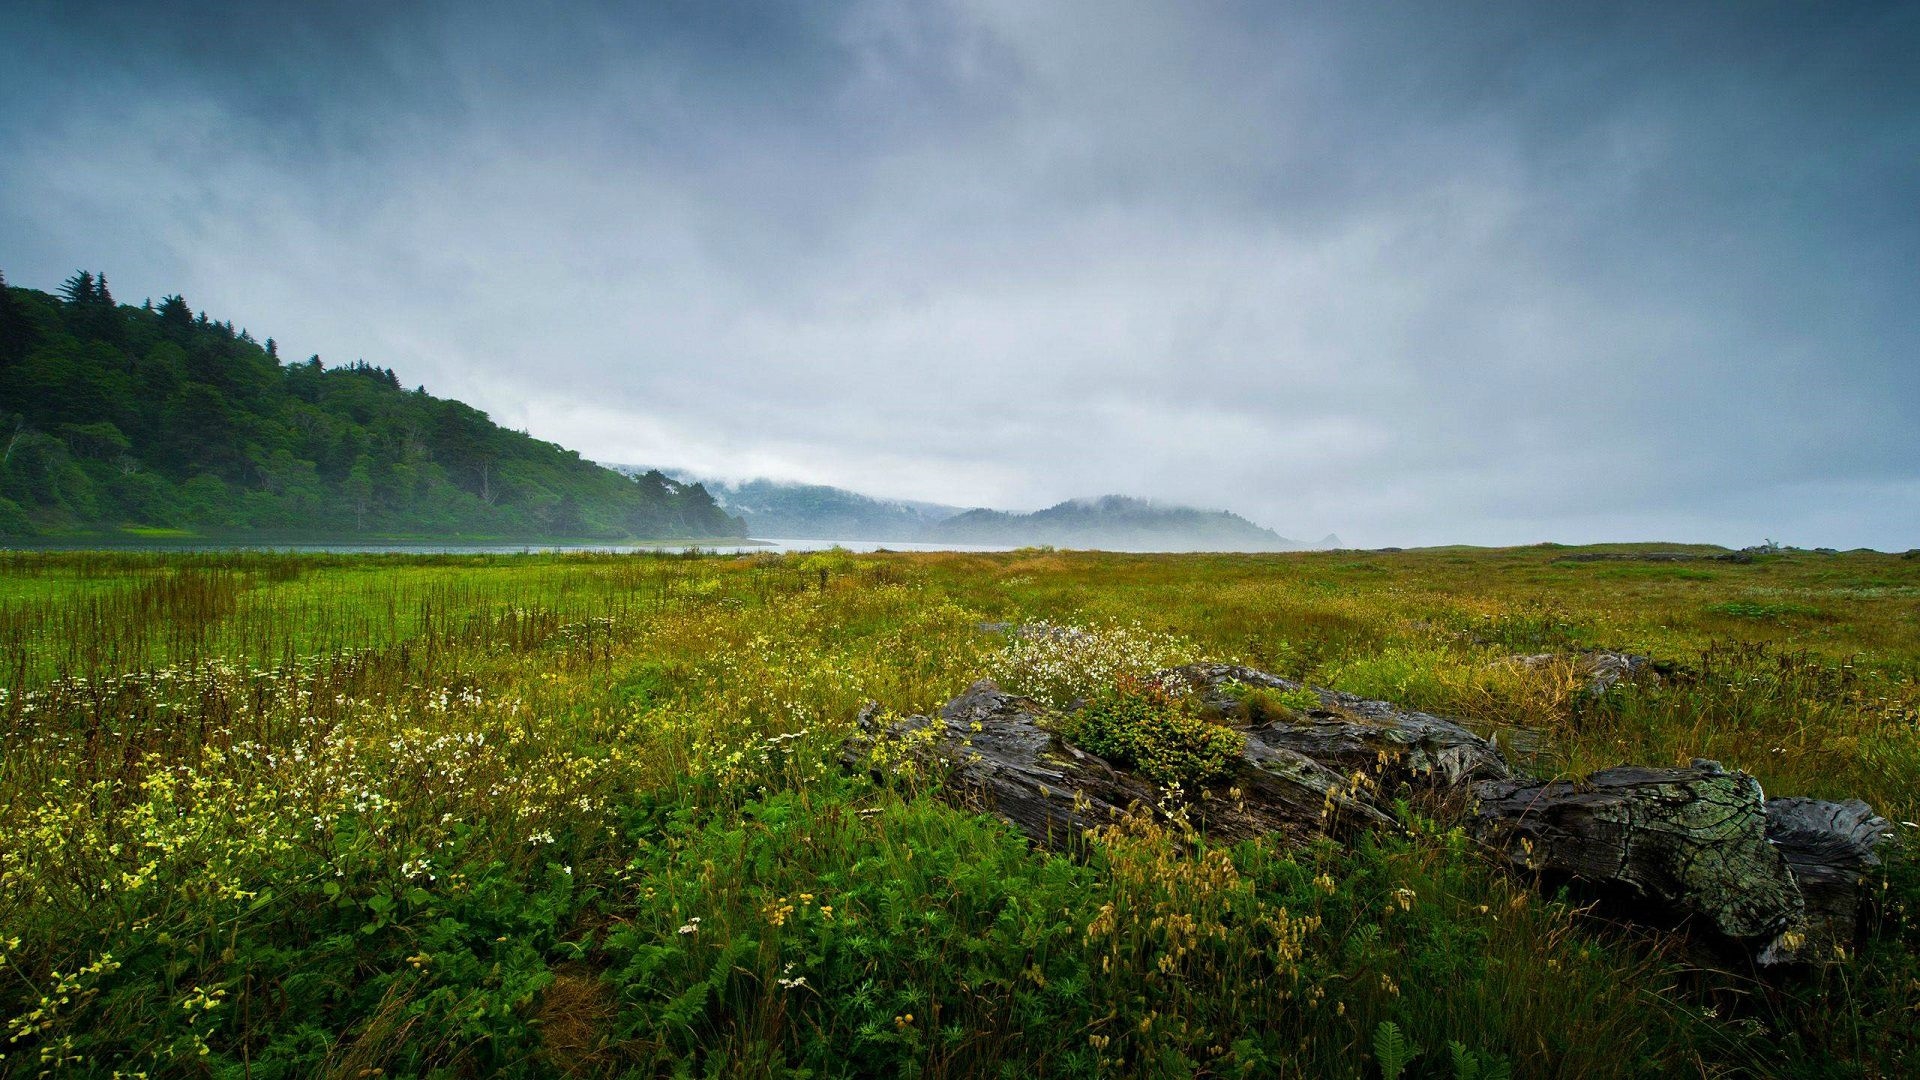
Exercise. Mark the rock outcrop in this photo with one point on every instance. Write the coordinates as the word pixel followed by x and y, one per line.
pixel 1780 879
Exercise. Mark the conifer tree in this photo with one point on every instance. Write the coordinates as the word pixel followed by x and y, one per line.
pixel 175 314
pixel 78 289
pixel 15 334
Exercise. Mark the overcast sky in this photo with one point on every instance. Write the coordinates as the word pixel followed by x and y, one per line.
pixel 1419 273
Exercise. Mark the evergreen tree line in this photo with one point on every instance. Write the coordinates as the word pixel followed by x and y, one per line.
pixel 114 415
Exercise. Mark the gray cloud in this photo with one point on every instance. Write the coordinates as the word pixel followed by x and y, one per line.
pixel 1411 273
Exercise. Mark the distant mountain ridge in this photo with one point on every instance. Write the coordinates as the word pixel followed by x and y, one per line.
pixel 815 511
pixel 779 510
pixel 1114 522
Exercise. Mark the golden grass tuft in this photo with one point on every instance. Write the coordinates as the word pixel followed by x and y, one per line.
pixel 575 1015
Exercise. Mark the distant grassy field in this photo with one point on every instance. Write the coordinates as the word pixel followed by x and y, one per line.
pixel 356 815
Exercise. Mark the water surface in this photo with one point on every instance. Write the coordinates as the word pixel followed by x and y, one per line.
pixel 776 546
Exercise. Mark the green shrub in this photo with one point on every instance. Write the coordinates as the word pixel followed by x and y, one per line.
pixel 1138 723
pixel 846 942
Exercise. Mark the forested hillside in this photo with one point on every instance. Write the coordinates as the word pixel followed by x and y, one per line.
pixel 113 415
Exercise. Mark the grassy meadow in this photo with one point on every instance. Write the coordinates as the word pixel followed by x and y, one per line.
pixel 270 815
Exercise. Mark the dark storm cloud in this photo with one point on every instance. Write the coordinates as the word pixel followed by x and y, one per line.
pixel 1415 273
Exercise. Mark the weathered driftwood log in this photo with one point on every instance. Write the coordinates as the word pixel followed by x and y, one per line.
pixel 1780 878
pixel 1692 841
pixel 1830 847
pixel 1352 734
pixel 997 757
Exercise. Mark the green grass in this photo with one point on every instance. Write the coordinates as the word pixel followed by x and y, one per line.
pixel 291 815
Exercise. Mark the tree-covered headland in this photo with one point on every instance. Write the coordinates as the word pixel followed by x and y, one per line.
pixel 157 417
